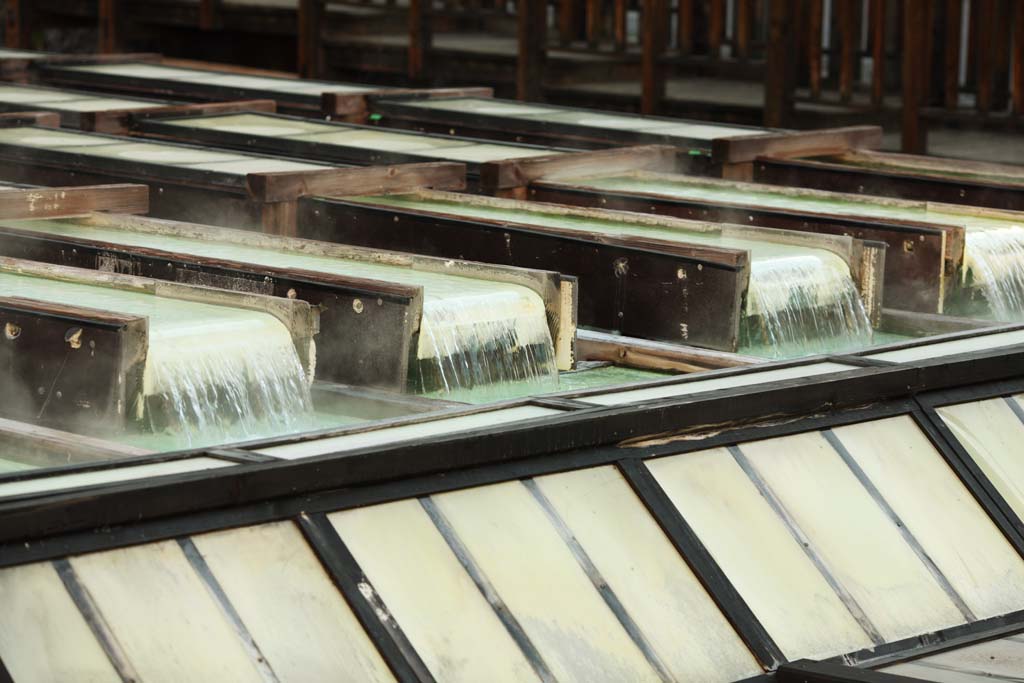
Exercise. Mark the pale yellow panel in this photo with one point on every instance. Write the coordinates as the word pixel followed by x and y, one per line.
pixel 105 103
pixel 440 609
pixel 994 438
pixel 759 556
pixel 243 166
pixel 163 616
pixel 381 140
pixel 997 660
pixel 534 572
pixel 43 636
pixel 861 546
pixel 659 591
pixel 171 155
pixel 982 342
pixel 52 139
pixel 940 512
pixel 252 124
pixel 291 608
pixel 924 672
pixel 482 153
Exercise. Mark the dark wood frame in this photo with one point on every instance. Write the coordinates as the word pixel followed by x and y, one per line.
pixel 260 201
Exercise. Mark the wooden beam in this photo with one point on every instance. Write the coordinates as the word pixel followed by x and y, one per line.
pixel 17 33
pixel 566 21
pixel 16 119
pixel 651 355
pixel 684 26
pixel 310 19
pixel 815 16
pixel 876 36
pixel 654 38
pixel 210 15
pixel 108 34
pixel 716 28
pixel 849 34
pixel 805 143
pixel 780 64
pixel 744 24
pixel 951 66
pixel 593 10
pixel 512 173
pixel 986 52
pixel 54 202
pixel 531 28
pixel 1017 70
pixel 421 37
pixel 915 134
pixel 619 24
pixel 340 182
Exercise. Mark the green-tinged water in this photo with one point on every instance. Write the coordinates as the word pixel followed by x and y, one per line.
pixel 9 466
pixel 993 253
pixel 605 376
pixel 878 338
pixel 212 373
pixel 914 165
pixel 475 335
pixel 800 300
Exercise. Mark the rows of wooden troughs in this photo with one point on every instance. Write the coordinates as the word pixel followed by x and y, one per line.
pixel 646 232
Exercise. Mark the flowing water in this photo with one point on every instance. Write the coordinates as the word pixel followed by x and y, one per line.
pixel 994 263
pixel 212 373
pixel 478 341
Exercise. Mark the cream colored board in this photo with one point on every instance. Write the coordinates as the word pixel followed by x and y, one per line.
pixel 43 636
pixel 104 104
pixel 244 166
pixel 164 618
pixel 922 671
pixel 18 95
pixel 749 542
pixel 426 590
pixel 482 153
pixel 659 591
pixel 860 545
pixel 713 384
pixel 158 153
pixel 108 476
pixel 515 546
pixel 419 430
pixel 45 138
pixel 996 659
pixel 994 438
pixel 940 512
pixel 289 605
pixel 484 106
pixel 951 348
pixel 252 124
pixel 383 140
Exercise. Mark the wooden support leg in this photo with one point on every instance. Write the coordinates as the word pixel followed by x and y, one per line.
pixel 780 65
pixel 420 37
pixel 914 25
pixel 532 38
pixel 654 38
pixel 310 20
pixel 108 38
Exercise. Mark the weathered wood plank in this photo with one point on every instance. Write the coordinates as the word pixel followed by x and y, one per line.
pixel 53 202
pixel 287 186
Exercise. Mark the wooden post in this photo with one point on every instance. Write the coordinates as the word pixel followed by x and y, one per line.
pixel 108 38
pixel 421 37
pixel 986 31
pixel 815 14
pixel 593 8
pixel 310 19
pixel 531 26
pixel 780 64
pixel 744 24
pixel 849 32
pixel 619 24
pixel 915 135
pixel 685 26
pixel 566 21
pixel 18 30
pixel 716 28
pixel 951 65
pixel 209 14
pixel 876 34
pixel 1017 71
pixel 654 36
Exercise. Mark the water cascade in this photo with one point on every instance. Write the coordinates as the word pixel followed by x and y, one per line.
pixel 803 304
pixel 212 373
pixel 994 263
pixel 485 348
pixel 479 340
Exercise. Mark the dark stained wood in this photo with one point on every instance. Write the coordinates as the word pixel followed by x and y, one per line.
pixel 716 27
pixel 619 13
pixel 744 26
pixel 310 23
pixel 951 64
pixel 876 38
pixel 684 26
pixel 109 13
pixel 780 64
pixel 53 202
pixel 210 18
pixel 849 32
pixel 15 119
pixel 802 143
pixel 815 16
pixel 511 173
pixel 17 24
pixel 531 36
pixel 985 54
pixel 567 21
pixel 594 22
pixel 915 132
pixel 654 37
pixel 287 186
pixel 1017 60
pixel 420 38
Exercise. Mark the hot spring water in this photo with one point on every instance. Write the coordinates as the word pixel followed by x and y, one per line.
pixel 478 341
pixel 212 373
pixel 994 262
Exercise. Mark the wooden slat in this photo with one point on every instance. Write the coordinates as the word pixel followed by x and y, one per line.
pixel 684 26
pixel 340 182
pixel 1017 70
pixel 654 37
pixel 15 119
pixel 420 37
pixel 876 35
pixel 310 18
pixel 951 67
pixel 53 202
pixel 16 34
pixel 531 28
pixel 814 19
pixel 849 32
pixel 120 121
pixel 802 143
pixel 780 64
pixel 511 173
pixel 914 132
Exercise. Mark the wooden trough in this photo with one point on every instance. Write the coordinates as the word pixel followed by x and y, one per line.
pixel 691 293
pixel 708 148
pixel 196 184
pixel 292 95
pixel 68 366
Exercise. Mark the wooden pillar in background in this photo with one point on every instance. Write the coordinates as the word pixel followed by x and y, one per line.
pixel 654 40
pixel 421 37
pixel 876 39
pixel 744 26
pixel 951 58
pixel 815 14
pixel 849 33
pixel 311 14
pixel 108 24
pixel 915 133
pixel 621 7
pixel 531 30
pixel 594 23
pixel 209 14
pixel 1017 59
pixel 19 24
pixel 780 64
pixel 685 26
pixel 567 21
pixel 716 28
